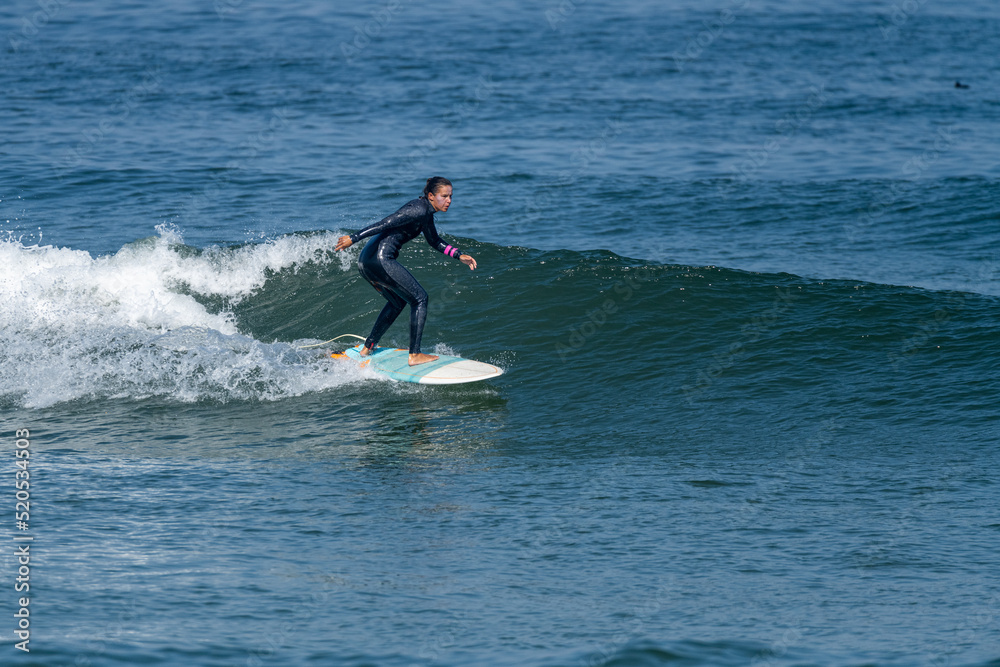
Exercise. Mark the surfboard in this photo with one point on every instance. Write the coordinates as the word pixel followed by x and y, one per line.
pixel 395 363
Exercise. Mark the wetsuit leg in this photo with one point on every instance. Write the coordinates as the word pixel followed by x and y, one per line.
pixel 407 287
pixel 399 288
pixel 389 313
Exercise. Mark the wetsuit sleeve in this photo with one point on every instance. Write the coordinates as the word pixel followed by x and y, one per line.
pixel 398 219
pixel 434 241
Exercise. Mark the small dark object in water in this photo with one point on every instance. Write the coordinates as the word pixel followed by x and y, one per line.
pixel 960 85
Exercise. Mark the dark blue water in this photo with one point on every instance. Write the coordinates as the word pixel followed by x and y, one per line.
pixel 740 261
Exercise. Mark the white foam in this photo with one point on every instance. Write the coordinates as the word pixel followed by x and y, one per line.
pixel 442 348
pixel 128 325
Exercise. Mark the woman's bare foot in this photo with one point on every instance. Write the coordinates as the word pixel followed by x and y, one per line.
pixel 421 358
pixel 365 351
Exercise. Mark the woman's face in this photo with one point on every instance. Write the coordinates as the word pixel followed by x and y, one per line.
pixel 441 199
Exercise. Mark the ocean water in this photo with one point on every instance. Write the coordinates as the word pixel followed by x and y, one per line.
pixel 740 261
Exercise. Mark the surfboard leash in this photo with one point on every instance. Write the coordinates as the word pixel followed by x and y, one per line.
pixel 306 347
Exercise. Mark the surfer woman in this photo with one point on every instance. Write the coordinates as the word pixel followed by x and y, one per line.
pixel 377 263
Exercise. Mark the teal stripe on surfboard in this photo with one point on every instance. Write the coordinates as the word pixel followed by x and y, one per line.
pixel 395 363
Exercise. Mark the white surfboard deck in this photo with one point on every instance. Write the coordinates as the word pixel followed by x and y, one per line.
pixel 395 363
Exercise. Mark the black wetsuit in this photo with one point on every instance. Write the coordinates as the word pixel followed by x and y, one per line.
pixel 378 266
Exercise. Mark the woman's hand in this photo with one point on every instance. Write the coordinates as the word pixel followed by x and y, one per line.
pixel 468 260
pixel 343 243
